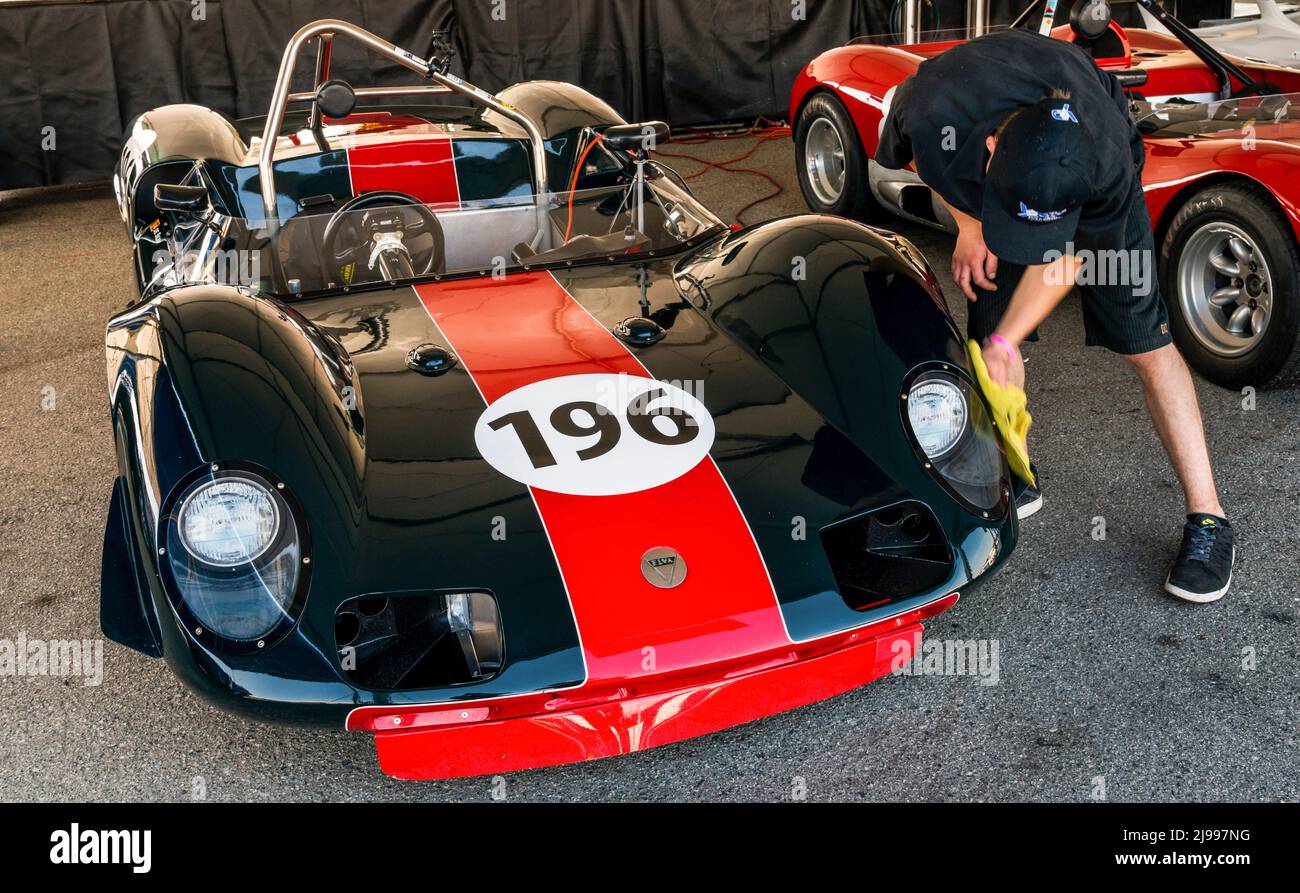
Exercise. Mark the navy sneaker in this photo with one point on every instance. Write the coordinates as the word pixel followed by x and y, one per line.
pixel 1202 571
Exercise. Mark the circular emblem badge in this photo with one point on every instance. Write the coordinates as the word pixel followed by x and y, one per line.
pixel 595 434
pixel 663 567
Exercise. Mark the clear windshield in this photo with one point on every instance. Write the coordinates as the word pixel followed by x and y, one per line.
pixel 937 22
pixel 1184 119
pixel 931 31
pixel 390 239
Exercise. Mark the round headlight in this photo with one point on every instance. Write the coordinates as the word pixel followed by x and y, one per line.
pixel 229 522
pixel 936 409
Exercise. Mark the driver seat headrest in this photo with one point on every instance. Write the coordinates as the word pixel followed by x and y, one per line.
pixel 1090 19
pixel 336 99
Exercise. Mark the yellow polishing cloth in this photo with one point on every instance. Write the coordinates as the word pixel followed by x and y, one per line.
pixel 1007 403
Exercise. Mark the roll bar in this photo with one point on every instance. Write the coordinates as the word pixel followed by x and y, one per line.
pixel 1215 60
pixel 977 19
pixel 444 81
pixel 1224 69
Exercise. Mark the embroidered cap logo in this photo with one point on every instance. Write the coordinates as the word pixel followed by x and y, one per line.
pixel 1033 216
pixel 1064 114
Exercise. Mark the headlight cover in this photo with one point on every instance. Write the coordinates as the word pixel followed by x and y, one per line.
pixel 954 437
pixel 234 558
pixel 936 409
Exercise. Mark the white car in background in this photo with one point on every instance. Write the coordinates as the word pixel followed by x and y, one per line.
pixel 1260 31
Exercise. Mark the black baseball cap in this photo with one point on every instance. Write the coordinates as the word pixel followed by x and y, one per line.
pixel 1037 183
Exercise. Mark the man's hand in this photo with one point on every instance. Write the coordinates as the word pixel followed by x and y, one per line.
pixel 1004 366
pixel 972 262
pixel 1041 288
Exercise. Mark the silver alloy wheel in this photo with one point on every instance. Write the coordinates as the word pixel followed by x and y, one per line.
pixel 1225 288
pixel 823 152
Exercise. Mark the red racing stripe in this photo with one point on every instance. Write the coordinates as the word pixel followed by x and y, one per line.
pixel 527 328
pixel 422 168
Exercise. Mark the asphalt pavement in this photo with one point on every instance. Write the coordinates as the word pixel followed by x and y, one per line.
pixel 1105 687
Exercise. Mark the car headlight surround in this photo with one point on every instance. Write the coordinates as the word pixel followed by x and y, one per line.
pixel 234 557
pixel 952 434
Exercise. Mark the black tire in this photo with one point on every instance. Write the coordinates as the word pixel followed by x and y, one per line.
pixel 855 199
pixel 1275 360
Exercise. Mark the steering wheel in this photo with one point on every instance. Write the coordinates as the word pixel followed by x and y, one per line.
pixel 366 220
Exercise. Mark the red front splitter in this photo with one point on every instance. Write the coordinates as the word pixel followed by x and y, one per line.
pixel 639 721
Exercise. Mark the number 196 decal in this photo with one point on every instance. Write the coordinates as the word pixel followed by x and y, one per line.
pixel 595 435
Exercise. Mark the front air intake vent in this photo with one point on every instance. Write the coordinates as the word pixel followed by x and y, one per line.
pixel 407 640
pixel 887 555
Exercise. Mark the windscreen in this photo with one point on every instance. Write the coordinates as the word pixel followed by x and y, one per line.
pixel 1261 117
pixel 931 30
pixel 383 237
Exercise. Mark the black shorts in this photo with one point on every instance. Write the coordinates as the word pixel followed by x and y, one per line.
pixel 1123 309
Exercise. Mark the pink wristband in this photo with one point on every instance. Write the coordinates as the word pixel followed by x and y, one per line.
pixel 1004 344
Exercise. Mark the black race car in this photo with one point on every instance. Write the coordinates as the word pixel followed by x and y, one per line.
pixel 470 426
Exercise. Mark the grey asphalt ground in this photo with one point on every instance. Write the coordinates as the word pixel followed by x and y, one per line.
pixel 1104 681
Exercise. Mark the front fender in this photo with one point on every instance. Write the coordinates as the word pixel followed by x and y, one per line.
pixel 1176 169
pixel 846 315
pixel 860 76
pixel 205 374
pixel 259 382
pixel 806 293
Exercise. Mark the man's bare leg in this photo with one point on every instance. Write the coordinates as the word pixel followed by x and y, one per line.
pixel 1171 400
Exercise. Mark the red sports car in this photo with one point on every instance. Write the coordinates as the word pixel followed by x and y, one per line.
pixel 1222 177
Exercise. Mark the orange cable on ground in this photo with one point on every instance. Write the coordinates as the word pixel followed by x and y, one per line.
pixel 761 131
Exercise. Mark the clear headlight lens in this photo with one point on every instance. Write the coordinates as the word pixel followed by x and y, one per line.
pixel 234 550
pixel 936 409
pixel 229 522
pixel 955 434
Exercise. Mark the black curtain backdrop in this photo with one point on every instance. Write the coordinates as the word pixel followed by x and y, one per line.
pixel 74 74
pixel 87 69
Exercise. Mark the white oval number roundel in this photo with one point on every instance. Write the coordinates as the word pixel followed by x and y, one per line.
pixel 595 435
